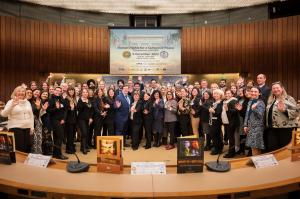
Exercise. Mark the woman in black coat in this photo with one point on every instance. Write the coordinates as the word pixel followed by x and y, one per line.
pixel 136 119
pixel 194 110
pixel 215 122
pixel 147 119
pixel 241 107
pixel 206 103
pixel 109 102
pixel 158 116
pixel 230 120
pixel 71 120
pixel 99 114
pixel 85 115
pixel 184 113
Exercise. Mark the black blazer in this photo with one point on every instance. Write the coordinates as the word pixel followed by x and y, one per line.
pixel 232 113
pixel 71 114
pixel 203 111
pixel 196 107
pixel 98 108
pixel 57 114
pixel 265 93
pixel 217 114
pixel 242 112
pixel 147 105
pixel 138 115
pixel 110 112
pixel 85 110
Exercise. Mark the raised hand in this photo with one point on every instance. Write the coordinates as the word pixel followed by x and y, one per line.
pixel 211 110
pixel 281 106
pixel 15 101
pixel 118 104
pixel 254 106
pixel 57 104
pixel 146 111
pixel 45 106
pixel 246 130
pixel 238 106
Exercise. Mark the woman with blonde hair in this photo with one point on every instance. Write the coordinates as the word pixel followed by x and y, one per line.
pixel 20 118
pixel 215 121
pixel 281 117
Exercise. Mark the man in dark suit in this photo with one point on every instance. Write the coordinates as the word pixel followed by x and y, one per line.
pixel 122 107
pixel 263 88
pixel 120 84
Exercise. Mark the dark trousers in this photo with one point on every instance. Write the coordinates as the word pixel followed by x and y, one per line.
pixel 110 127
pixel 90 134
pixel 121 127
pixel 206 131
pixel 98 128
pixel 84 129
pixel 148 130
pixel 170 128
pixel 58 135
pixel 104 129
pixel 185 124
pixel 135 133
pixel 217 137
pixel 22 139
pixel 229 131
pixel 71 131
pixel 278 138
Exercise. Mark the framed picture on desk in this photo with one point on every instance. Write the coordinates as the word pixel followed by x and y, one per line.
pixel 109 154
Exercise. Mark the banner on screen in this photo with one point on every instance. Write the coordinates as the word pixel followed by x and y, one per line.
pixel 145 51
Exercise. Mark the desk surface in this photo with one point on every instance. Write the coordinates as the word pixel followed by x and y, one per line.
pixel 52 180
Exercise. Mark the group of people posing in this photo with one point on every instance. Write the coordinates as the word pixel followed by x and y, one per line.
pixel 243 115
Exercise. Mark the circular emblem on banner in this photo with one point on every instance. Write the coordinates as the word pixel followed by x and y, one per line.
pixel 126 54
pixel 164 54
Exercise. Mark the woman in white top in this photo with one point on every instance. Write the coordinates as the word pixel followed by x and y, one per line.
pixel 20 118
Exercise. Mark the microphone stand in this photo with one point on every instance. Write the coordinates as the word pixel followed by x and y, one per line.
pixel 219 166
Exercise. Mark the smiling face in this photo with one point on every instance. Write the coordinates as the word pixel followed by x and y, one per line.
pixel 194 92
pixel 228 94
pixel 37 94
pixel 146 96
pixel 254 93
pixel 21 94
pixel 28 94
pixel 44 95
pixel 183 93
pixel 261 79
pixel 85 93
pixel 277 90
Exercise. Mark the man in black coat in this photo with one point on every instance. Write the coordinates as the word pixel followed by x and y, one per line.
pixel 263 88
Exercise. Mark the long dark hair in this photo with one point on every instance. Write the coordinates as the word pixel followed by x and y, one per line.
pixel 154 92
pixel 209 94
pixel 111 89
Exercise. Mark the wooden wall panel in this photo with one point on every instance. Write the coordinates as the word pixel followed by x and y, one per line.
pixel 29 50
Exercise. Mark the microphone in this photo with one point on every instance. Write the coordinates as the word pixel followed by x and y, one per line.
pixel 218 166
pixel 75 166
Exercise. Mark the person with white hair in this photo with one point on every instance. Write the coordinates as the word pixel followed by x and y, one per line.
pixel 20 119
pixel 215 121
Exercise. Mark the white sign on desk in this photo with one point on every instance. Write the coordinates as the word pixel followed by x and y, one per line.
pixel 264 161
pixel 148 168
pixel 37 160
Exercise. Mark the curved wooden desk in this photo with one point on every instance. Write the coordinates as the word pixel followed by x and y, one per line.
pixel 241 182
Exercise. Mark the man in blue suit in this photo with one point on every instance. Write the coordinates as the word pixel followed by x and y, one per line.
pixel 122 106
